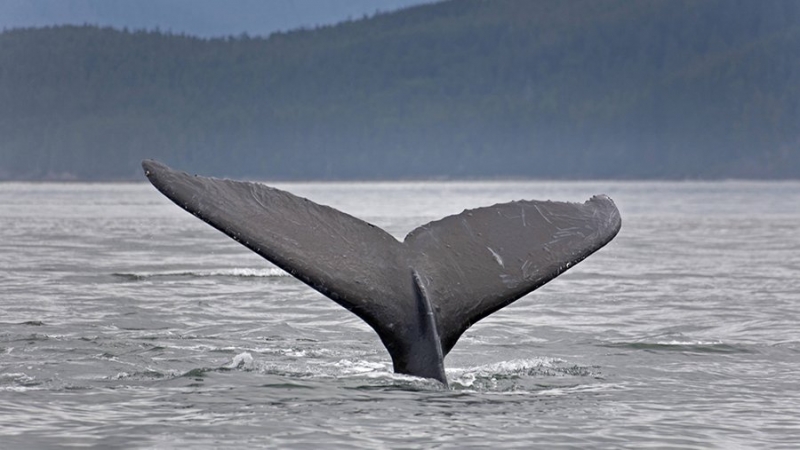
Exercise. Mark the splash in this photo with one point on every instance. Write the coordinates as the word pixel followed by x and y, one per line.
pixel 243 361
pixel 519 375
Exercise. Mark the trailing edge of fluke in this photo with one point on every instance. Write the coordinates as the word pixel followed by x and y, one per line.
pixel 421 294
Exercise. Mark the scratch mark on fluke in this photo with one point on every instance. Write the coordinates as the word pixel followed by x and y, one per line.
pixel 496 257
pixel 419 295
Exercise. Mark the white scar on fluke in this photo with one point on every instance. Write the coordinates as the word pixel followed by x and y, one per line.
pixel 421 294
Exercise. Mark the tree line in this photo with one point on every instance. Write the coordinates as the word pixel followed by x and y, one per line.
pixel 459 89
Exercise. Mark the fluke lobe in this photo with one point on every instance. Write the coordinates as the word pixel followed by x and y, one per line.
pixel 421 294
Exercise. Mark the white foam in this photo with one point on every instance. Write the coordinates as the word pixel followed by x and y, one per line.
pixel 20 382
pixel 292 352
pixel 469 376
pixel 687 343
pixel 243 272
pixel 348 367
pixel 241 361
pixel 508 367
pixel 20 388
pixel 16 376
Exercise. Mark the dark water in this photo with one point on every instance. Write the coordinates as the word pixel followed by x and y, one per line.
pixel 126 323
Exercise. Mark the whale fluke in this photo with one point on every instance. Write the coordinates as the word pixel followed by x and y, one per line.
pixel 421 294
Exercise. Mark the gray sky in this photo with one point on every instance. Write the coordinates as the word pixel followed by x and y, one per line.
pixel 196 17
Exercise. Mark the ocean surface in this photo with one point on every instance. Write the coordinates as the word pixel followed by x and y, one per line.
pixel 127 323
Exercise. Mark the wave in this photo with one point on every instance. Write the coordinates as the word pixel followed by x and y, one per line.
pixel 675 345
pixel 19 382
pixel 235 272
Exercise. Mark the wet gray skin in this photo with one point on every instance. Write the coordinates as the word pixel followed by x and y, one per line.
pixel 420 294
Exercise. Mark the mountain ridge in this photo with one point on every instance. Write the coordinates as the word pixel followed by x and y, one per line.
pixel 458 89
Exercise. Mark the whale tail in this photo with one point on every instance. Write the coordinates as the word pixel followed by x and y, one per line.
pixel 421 294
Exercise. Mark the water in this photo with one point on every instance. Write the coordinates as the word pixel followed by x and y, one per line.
pixel 127 323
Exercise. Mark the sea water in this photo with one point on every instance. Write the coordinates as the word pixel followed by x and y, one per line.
pixel 127 323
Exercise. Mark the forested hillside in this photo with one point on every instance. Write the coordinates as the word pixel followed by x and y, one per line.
pixel 463 88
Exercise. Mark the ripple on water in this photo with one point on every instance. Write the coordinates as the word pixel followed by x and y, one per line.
pixel 269 272
pixel 682 333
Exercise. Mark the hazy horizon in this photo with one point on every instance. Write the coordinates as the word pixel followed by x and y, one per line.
pixel 458 89
pixel 202 18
